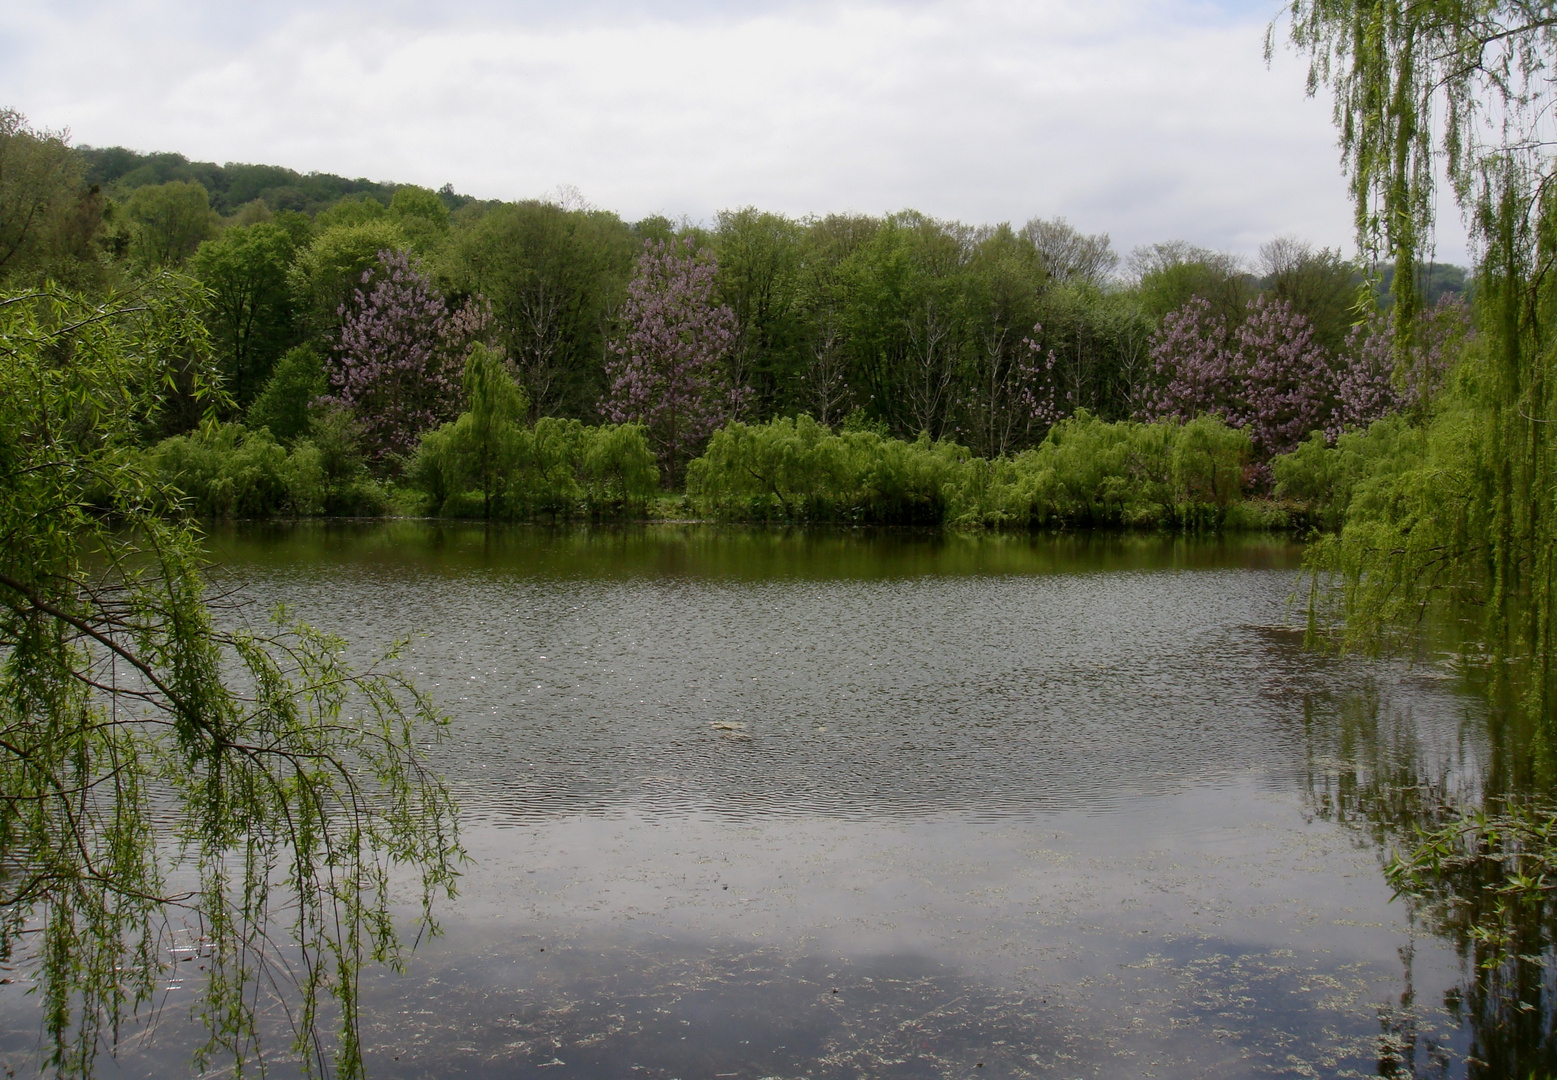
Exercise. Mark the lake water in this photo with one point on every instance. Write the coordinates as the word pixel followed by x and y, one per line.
pixel 756 804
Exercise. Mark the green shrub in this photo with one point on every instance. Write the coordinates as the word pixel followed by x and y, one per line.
pixel 283 405
pixel 349 490
pixel 1323 480
pixel 796 470
pixel 559 469
pixel 225 470
pixel 1088 472
pixel 1085 473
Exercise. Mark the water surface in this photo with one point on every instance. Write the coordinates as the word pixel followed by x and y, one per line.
pixel 753 804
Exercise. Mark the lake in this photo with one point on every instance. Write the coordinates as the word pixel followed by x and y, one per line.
pixel 893 804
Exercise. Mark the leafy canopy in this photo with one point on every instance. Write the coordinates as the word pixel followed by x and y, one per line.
pixel 296 783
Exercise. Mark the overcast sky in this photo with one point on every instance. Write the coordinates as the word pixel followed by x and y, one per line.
pixel 1146 119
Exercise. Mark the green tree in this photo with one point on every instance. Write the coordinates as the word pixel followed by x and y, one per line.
pixel 1478 529
pixel 1454 515
pixel 824 388
pixel 1322 286
pixel 329 270
pixel 553 278
pixel 760 257
pixel 487 438
pixel 252 312
pixel 1007 276
pixel 903 316
pixel 354 209
pixel 297 382
pixel 49 216
pixel 295 783
pixel 421 215
pixel 1169 274
pixel 170 221
pixel 1069 255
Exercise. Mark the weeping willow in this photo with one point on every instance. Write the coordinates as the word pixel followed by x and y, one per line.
pixel 172 784
pixel 1450 526
pixel 1459 89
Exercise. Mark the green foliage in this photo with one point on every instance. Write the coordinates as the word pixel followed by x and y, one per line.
pixel 1086 473
pixel 1417 525
pixel 170 221
pixel 1471 525
pixel 760 258
pixel 231 185
pixel 252 306
pixel 483 446
pixel 351 210
pixel 296 383
pixel 552 278
pixel 223 471
pixel 1321 286
pixel 49 216
pixel 336 436
pixel 1489 875
pixel 1322 479
pixel 325 273
pixel 797 470
pixel 421 215
pixel 485 464
pixel 229 471
pixel 143 745
pixel 1170 274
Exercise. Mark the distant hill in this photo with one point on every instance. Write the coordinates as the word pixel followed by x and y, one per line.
pixel 1437 281
pixel 230 186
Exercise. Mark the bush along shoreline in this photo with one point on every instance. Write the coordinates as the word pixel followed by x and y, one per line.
pixel 1162 476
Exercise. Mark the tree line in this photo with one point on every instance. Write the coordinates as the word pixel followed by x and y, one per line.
pixel 906 324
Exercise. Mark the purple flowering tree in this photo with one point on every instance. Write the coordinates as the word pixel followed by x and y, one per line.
pixel 1288 381
pixel 670 371
pixel 400 356
pixel 1196 371
pixel 1267 376
pixel 1373 382
pixel 1365 388
pixel 1038 403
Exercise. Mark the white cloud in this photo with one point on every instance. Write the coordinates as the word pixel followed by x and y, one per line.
pixel 1145 119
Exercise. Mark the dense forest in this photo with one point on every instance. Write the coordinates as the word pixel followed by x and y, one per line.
pixel 341 315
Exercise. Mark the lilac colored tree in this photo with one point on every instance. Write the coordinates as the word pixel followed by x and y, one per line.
pixel 1288 381
pixel 1195 368
pixel 1270 378
pixel 399 360
pixel 1375 380
pixel 1365 384
pixel 1037 400
pixel 670 372
pixel 1266 376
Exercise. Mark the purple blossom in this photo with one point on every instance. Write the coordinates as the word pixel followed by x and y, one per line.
pixel 400 356
pixel 1037 398
pixel 1288 386
pixel 1375 383
pixel 1267 376
pixel 1270 378
pixel 671 367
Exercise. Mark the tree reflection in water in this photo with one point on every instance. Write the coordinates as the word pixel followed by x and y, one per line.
pixel 1466 830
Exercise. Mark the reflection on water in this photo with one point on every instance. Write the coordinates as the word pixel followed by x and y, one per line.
pixel 754 804
pixel 763 671
pixel 1373 766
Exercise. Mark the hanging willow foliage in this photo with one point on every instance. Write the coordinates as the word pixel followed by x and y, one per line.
pixel 162 778
pixel 1466 524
